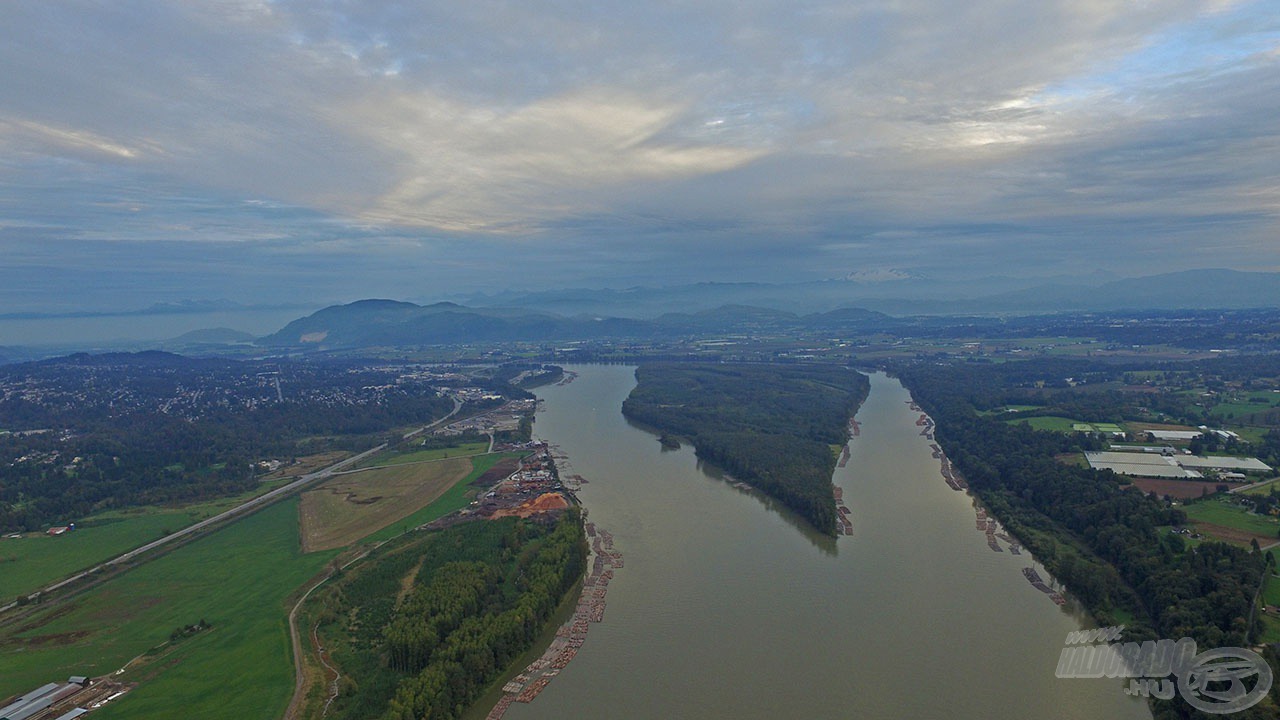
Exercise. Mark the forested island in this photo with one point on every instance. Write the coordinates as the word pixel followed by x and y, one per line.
pixel 768 425
pixel 424 625
pixel 1107 542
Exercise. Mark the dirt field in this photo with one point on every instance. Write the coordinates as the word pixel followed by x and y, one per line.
pixel 1139 426
pixel 499 471
pixel 307 464
pixel 1175 488
pixel 1232 535
pixel 543 503
pixel 351 506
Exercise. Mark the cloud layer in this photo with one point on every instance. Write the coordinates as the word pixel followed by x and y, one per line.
pixel 611 141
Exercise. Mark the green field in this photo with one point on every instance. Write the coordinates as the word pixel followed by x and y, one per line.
pixel 1271 591
pixel 1270 622
pixel 237 579
pixel 1054 423
pixel 29 563
pixel 1263 488
pixel 1011 408
pixel 1220 511
pixel 1047 422
pixel 392 457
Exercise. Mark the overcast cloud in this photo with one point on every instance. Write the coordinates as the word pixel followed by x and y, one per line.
pixel 268 151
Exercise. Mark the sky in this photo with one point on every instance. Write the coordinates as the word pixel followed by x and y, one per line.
pixel 309 151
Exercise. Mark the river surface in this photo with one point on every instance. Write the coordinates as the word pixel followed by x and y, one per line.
pixel 730 607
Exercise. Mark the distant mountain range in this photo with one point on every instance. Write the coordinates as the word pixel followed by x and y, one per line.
pixel 714 308
pixel 180 307
pixel 375 323
pixel 899 293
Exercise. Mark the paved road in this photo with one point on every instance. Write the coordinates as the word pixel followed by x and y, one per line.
pixel 247 507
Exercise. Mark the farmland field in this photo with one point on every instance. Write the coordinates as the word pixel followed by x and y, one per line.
pixel 1046 422
pixel 31 562
pixel 391 457
pixel 455 498
pixel 351 506
pixel 1225 513
pixel 1263 488
pixel 237 579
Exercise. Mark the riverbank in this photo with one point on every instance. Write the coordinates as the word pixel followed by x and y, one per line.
pixel 573 633
pixel 985 522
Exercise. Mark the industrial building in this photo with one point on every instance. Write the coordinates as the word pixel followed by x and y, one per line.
pixel 42 698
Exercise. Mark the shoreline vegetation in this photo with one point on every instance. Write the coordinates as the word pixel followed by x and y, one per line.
pixel 1098 538
pixel 423 626
pixel 771 426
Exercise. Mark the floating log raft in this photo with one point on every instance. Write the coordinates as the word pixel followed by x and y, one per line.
pixel 843 525
pixel 573 633
pixel 1038 583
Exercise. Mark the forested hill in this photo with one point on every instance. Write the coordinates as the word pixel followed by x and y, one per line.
pixel 769 425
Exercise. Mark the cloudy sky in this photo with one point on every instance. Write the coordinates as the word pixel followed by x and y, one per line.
pixel 317 150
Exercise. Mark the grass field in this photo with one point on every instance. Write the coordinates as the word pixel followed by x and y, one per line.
pixel 1263 488
pixel 393 457
pixel 236 578
pixel 1047 422
pixel 1219 511
pixel 308 464
pixel 1011 408
pixel 1270 621
pixel 349 507
pixel 29 563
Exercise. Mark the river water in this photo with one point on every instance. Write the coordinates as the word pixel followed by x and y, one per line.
pixel 730 607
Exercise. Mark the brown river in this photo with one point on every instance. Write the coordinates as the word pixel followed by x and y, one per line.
pixel 729 607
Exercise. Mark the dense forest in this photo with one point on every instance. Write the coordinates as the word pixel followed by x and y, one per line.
pixel 1096 536
pixel 87 433
pixel 769 425
pixel 423 626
